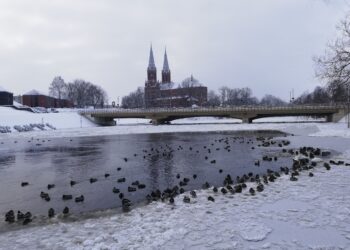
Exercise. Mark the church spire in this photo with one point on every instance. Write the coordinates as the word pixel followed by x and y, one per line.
pixel 151 64
pixel 151 69
pixel 166 76
pixel 165 64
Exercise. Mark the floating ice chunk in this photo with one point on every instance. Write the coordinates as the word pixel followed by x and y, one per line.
pixel 253 231
pixel 316 159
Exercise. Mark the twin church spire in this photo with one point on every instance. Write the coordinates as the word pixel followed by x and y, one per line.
pixel 152 70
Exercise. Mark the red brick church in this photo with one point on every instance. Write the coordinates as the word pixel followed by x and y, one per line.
pixel 166 94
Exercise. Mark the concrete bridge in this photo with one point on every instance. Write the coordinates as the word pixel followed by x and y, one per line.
pixel 106 117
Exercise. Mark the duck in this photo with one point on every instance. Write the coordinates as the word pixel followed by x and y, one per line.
pixel 186 199
pixel 24 183
pixel 193 194
pixel 51 213
pixel 20 215
pixel 92 180
pixel 10 216
pixel 49 186
pixel 260 187
pixel 135 183
pixel 121 180
pixel 141 186
pixel 66 211
pixel 293 178
pixel 67 197
pixel 252 191
pixel 115 190
pixel 81 198
pixel 26 221
pixel 210 198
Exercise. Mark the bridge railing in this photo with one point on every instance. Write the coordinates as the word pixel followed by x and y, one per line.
pixel 208 109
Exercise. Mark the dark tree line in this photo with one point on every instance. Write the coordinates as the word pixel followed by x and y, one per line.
pixel 240 97
pixel 135 99
pixel 332 93
pixel 226 97
pixel 80 92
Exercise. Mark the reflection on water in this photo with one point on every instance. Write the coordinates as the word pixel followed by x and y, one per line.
pixel 152 159
pixel 6 161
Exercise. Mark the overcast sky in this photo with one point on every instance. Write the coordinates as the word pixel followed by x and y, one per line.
pixel 266 45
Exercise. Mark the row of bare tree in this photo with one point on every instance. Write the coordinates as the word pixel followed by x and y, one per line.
pixel 226 97
pixel 80 92
pixel 240 96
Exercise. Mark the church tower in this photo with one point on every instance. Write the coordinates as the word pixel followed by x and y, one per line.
pixel 166 75
pixel 151 70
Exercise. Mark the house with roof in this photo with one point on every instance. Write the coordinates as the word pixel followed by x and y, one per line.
pixel 36 98
pixel 6 97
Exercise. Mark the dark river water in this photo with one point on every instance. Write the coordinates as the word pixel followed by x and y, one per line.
pixel 152 159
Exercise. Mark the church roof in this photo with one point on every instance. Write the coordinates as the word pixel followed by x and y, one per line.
pixel 168 85
pixel 166 64
pixel 151 64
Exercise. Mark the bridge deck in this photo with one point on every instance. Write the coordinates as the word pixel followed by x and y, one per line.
pixel 247 114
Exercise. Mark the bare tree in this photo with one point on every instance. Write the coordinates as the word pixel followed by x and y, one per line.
pixel 337 92
pixel 334 66
pixel 83 94
pixel 271 100
pixel 58 88
pixel 213 99
pixel 224 94
pixel 134 99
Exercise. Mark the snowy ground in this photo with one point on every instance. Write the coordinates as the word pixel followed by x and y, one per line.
pixel 312 213
pixel 64 119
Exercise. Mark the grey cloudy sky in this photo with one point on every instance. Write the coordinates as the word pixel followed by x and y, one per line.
pixel 266 45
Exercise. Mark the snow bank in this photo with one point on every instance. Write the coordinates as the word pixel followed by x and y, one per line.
pixel 11 117
pixel 312 213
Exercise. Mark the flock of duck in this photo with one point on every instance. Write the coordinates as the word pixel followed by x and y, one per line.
pixel 303 161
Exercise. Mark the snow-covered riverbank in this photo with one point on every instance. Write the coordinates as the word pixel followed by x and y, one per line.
pixel 70 124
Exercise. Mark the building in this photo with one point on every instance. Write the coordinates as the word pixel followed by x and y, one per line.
pixel 6 98
pixel 36 99
pixel 166 94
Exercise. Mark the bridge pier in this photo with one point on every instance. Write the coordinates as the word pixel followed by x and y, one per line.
pixel 247 120
pixel 336 117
